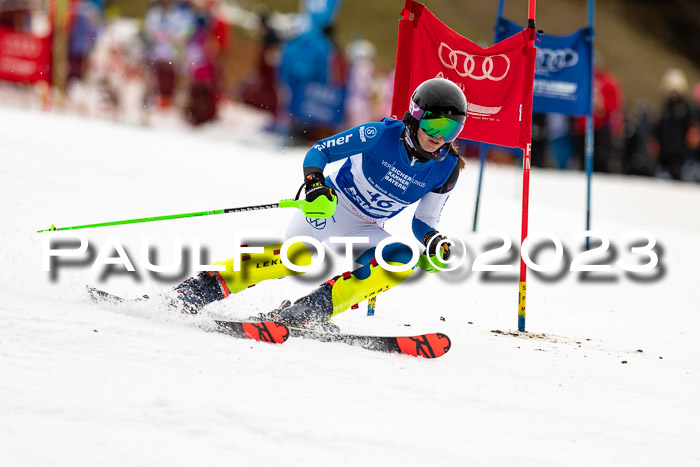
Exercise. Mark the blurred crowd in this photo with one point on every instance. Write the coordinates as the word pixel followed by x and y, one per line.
pixel 184 41
pixel 312 86
pixel 176 58
pixel 665 144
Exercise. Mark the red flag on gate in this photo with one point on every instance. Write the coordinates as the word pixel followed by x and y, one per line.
pixel 496 81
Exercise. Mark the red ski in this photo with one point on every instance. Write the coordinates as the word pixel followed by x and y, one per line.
pixel 263 331
pixel 430 345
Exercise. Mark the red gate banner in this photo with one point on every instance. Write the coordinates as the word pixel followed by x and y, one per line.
pixel 24 58
pixel 496 81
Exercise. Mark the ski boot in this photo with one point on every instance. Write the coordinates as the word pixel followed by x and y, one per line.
pixel 335 296
pixel 210 286
pixel 309 312
pixel 190 296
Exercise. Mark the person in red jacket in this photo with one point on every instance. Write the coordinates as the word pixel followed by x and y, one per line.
pixel 608 124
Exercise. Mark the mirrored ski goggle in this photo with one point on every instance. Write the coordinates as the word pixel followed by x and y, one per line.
pixel 438 125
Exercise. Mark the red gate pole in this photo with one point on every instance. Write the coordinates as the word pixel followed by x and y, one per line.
pixel 404 57
pixel 526 129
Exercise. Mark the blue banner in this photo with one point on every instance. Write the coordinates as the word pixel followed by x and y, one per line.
pixel 317 103
pixel 563 72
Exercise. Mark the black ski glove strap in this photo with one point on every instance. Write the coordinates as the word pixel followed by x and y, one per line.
pixel 431 241
pixel 316 186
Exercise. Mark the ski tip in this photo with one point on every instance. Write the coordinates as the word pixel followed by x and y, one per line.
pixel 266 331
pixel 426 345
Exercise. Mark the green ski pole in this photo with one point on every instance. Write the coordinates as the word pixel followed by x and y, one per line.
pixel 320 207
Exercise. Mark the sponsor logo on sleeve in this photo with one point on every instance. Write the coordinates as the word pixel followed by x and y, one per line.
pixel 329 143
pixel 367 132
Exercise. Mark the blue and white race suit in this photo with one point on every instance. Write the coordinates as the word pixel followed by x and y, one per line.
pixel 377 181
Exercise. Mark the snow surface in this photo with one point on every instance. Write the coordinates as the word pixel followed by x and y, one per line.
pixel 87 385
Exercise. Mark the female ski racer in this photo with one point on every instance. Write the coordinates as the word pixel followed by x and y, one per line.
pixel 389 165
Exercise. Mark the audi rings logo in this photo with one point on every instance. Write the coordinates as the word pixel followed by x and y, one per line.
pixel 552 61
pixel 478 67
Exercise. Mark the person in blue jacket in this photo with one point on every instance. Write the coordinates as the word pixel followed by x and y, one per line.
pixel 389 165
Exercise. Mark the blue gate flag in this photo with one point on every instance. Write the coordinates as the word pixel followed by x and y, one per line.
pixel 563 70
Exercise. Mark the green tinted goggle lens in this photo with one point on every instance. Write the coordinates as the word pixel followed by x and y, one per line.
pixel 437 125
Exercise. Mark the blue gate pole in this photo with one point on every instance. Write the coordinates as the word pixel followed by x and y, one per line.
pixel 589 128
pixel 482 162
pixel 589 172
pixel 482 146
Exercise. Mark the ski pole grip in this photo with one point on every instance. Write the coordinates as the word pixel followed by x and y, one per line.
pixel 321 207
pixel 431 264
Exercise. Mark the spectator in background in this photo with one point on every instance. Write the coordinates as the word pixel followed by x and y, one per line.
pixel 16 15
pixel 221 37
pixel 559 137
pixel 608 124
pixel 538 139
pixel 259 88
pixel 338 62
pixel 671 144
pixel 638 161
pixel 202 52
pixel 696 102
pixel 86 22
pixel 694 134
pixel 313 69
pixel 360 82
pixel 166 28
pixel 306 58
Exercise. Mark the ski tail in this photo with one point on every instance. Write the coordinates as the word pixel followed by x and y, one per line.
pixel 263 331
pixel 426 345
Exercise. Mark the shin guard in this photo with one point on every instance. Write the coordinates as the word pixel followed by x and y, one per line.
pixel 348 289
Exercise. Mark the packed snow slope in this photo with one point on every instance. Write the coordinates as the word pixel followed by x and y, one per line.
pixel 608 373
